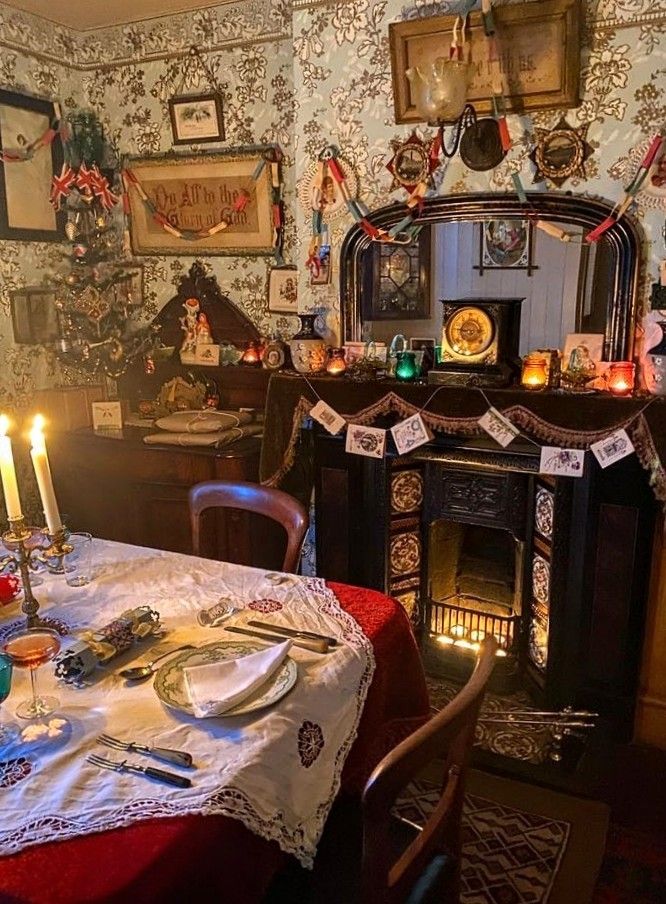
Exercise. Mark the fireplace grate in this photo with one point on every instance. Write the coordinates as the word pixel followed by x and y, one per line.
pixel 465 625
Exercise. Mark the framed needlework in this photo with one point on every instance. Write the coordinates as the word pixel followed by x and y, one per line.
pixel 283 290
pixel 26 214
pixel 193 194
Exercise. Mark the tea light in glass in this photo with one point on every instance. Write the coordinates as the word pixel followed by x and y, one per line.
pixel 336 364
pixel 251 356
pixel 534 375
pixel 620 378
pixel 406 368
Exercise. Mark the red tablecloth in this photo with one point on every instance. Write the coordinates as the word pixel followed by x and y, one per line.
pixel 215 858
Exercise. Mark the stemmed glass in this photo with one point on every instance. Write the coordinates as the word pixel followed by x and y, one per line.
pixel 5 684
pixel 30 648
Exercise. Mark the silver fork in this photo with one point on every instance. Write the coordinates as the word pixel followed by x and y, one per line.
pixel 166 754
pixel 169 778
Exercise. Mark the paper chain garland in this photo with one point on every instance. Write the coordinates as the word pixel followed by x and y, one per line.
pixel 57 128
pixel 129 178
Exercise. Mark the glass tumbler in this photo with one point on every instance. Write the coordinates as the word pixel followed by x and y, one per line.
pixel 78 563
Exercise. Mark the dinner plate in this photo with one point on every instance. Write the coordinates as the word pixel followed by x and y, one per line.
pixel 170 681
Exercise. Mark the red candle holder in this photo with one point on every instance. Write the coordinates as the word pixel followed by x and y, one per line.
pixel 620 378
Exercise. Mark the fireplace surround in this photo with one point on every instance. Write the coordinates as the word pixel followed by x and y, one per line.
pixel 471 539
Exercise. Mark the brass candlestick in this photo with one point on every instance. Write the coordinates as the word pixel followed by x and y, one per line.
pixel 22 552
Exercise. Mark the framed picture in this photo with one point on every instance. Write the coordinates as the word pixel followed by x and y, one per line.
pixel 26 214
pixel 323 276
pixel 283 290
pixel 397 280
pixel 34 316
pixel 505 245
pixel 196 193
pixel 588 347
pixel 196 118
pixel 540 56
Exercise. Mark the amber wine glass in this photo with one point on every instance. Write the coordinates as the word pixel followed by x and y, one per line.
pixel 28 648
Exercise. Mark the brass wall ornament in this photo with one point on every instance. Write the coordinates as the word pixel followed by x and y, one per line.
pixel 560 153
pixel 413 163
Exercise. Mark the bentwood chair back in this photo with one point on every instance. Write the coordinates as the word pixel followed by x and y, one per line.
pixel 251 497
pixel 428 869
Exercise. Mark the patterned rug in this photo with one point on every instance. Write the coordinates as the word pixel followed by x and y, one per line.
pixel 516 853
pixel 533 744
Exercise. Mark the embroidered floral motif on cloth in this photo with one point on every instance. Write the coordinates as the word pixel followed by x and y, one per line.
pixel 276 770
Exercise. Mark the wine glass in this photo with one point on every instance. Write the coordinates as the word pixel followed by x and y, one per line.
pixel 29 648
pixel 5 684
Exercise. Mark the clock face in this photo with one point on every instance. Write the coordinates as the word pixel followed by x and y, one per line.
pixel 469 331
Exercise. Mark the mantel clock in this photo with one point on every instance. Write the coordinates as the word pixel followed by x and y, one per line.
pixel 479 342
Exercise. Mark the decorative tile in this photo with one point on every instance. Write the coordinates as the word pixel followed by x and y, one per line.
pixel 405 553
pixel 406 491
pixel 541 579
pixel 544 510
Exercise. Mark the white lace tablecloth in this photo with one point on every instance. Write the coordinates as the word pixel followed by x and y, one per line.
pixel 277 770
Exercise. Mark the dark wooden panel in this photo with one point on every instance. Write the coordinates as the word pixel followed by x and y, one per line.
pixel 119 489
pixel 612 591
pixel 333 514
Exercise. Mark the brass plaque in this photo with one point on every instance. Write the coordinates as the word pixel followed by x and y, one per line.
pixel 539 56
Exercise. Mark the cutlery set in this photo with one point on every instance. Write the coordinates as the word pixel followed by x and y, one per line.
pixel 177 757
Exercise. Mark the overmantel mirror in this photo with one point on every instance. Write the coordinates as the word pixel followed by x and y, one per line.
pixel 487 245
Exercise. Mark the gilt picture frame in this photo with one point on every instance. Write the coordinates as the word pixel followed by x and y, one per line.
pixel 35 318
pixel 26 214
pixel 540 59
pixel 196 118
pixel 196 192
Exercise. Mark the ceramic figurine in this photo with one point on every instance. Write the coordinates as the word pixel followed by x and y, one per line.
pixel 189 323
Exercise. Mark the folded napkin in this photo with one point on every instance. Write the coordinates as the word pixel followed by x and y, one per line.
pixel 218 686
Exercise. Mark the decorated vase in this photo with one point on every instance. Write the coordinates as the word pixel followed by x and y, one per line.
pixel 307 347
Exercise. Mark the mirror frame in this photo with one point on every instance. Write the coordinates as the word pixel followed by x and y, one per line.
pixel 625 238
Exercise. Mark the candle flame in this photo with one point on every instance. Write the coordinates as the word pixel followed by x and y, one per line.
pixel 4 424
pixel 37 434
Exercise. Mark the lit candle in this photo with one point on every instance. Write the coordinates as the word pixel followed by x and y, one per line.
pixel 534 374
pixel 336 364
pixel 620 377
pixel 40 463
pixel 8 473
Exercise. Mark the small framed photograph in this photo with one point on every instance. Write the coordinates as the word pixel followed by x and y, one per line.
pixel 322 277
pixel 422 345
pixel 283 290
pixel 196 118
pixel 505 245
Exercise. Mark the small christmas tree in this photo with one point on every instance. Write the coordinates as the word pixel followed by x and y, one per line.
pixel 95 296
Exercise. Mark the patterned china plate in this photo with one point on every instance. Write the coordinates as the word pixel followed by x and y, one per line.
pixel 170 682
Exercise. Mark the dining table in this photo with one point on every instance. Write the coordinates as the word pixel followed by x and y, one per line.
pixel 263 780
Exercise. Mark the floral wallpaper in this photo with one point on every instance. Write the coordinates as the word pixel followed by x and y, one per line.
pixel 304 74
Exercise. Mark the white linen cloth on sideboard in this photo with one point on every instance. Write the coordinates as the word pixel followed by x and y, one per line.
pixel 277 770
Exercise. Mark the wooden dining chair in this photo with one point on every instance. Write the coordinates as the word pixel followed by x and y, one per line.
pixel 428 869
pixel 251 497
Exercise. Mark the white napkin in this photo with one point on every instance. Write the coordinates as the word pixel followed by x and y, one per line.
pixel 215 687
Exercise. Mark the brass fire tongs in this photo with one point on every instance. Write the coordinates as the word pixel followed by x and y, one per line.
pixel 565 718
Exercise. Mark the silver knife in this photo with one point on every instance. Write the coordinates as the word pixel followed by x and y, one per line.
pixel 293 632
pixel 317 646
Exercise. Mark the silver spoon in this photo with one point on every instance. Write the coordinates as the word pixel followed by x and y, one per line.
pixel 139 672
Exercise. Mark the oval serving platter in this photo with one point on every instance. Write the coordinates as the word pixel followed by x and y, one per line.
pixel 170 683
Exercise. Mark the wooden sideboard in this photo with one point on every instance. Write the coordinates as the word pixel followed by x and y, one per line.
pixel 119 488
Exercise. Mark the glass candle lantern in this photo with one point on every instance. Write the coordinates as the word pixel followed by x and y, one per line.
pixel 535 372
pixel 336 364
pixel 405 368
pixel 251 356
pixel 620 378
